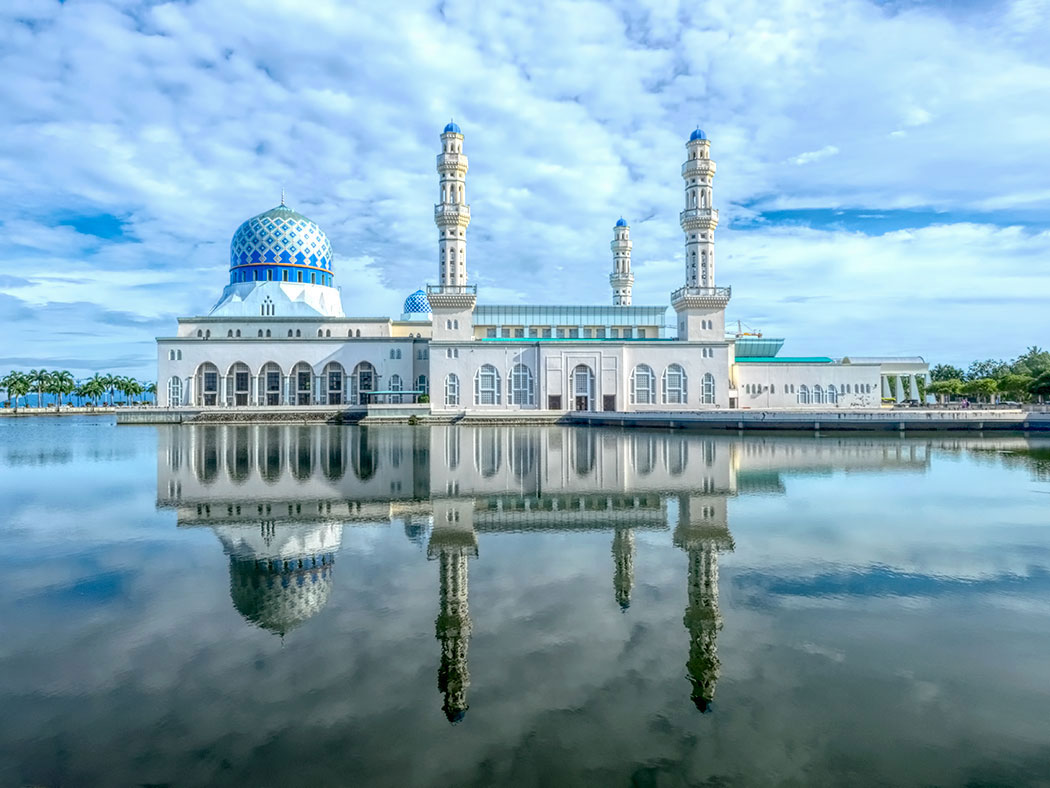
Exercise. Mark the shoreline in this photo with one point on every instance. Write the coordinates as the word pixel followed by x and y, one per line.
pixel 918 420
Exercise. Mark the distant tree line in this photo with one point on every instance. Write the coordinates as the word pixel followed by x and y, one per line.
pixel 61 385
pixel 1025 378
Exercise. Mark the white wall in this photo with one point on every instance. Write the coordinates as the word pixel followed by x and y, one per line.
pixel 777 385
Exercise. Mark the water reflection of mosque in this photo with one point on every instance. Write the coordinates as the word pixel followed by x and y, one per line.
pixel 278 498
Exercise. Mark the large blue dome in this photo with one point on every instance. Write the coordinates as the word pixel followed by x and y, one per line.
pixel 621 222
pixel 281 245
pixel 417 304
pixel 452 127
pixel 698 134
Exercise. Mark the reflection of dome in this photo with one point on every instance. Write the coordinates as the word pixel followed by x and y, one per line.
pixel 280 595
pixel 453 127
pixel 285 243
pixel 417 304
pixel 698 134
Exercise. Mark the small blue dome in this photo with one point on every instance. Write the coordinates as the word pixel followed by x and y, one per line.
pixel 698 134
pixel 417 303
pixel 453 127
pixel 621 222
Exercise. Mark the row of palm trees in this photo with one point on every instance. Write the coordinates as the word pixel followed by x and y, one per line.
pixel 60 383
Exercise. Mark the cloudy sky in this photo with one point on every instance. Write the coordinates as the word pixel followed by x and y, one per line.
pixel 883 168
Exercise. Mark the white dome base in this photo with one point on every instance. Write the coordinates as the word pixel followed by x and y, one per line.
pixel 288 299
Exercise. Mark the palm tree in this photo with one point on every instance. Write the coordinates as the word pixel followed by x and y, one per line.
pixel 38 379
pixel 151 389
pixel 16 384
pixel 61 383
pixel 132 388
pixel 93 388
pixel 109 382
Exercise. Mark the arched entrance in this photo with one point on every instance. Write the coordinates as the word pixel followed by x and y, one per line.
pixel 238 387
pixel 302 384
pixel 270 384
pixel 582 388
pixel 207 384
pixel 363 381
pixel 334 383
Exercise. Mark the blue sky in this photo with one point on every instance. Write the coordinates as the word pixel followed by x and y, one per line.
pixel 883 168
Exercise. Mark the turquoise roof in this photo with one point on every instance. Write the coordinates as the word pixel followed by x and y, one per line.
pixel 786 360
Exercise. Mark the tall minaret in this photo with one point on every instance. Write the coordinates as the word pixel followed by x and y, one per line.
pixel 452 214
pixel 621 278
pixel 700 217
pixel 623 565
pixel 700 305
pixel 703 532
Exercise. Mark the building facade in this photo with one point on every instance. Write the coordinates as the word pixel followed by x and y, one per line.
pixel 278 334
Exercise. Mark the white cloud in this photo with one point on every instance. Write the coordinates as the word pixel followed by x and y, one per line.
pixel 815 155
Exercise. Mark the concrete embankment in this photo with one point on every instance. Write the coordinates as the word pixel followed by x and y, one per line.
pixel 918 420
pixel 886 420
pixel 67 410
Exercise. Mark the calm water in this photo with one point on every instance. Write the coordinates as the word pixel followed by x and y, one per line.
pixel 456 606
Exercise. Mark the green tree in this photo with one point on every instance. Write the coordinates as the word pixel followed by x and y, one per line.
pixel 1033 362
pixel 109 382
pixel 946 372
pixel 981 387
pixel 38 379
pixel 151 389
pixel 1041 386
pixel 61 384
pixel 989 368
pixel 132 388
pixel 944 390
pixel 1015 387
pixel 94 388
pixel 16 384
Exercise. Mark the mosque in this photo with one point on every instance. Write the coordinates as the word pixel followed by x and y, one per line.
pixel 278 335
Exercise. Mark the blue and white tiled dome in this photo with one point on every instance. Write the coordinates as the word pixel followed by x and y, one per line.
pixel 280 245
pixel 417 304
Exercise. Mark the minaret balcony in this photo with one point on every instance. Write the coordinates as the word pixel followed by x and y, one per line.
pixel 452 213
pixel 698 167
pixel 698 218
pixel 452 296
pixel 700 297
pixel 450 162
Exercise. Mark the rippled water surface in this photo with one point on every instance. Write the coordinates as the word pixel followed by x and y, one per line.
pixel 522 606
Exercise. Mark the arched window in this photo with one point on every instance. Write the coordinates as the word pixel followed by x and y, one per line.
pixel 818 395
pixel 832 397
pixel 328 332
pixel 396 384
pixel 486 386
pixel 643 385
pixel 452 389
pixel 289 333
pixel 521 388
pixel 803 394
pixel 488 451
pixel 358 332
pixel 174 391
pixel 674 385
pixel 267 333
pixel 229 334
pixel 707 389
pixel 320 333
pixel 260 333
pixel 333 383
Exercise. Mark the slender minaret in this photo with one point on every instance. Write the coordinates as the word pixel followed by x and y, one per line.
pixel 452 214
pixel 700 217
pixel 623 565
pixel 703 532
pixel 621 278
pixel 453 630
pixel 700 305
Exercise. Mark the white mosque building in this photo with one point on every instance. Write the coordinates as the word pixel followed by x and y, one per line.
pixel 278 335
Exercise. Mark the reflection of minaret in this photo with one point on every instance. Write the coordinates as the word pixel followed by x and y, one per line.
pixel 623 562
pixel 453 542
pixel 703 532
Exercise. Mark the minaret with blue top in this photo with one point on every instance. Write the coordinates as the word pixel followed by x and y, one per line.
pixel 452 214
pixel 621 278
pixel 700 304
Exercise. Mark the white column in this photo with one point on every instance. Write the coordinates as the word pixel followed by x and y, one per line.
pixel 899 394
pixel 287 390
pixel 885 386
pixel 222 391
pixel 914 392
pixel 253 390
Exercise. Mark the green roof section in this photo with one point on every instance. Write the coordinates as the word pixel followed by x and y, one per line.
pixel 786 360
pixel 757 347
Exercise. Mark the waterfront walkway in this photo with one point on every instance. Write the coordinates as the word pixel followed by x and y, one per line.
pixel 807 420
